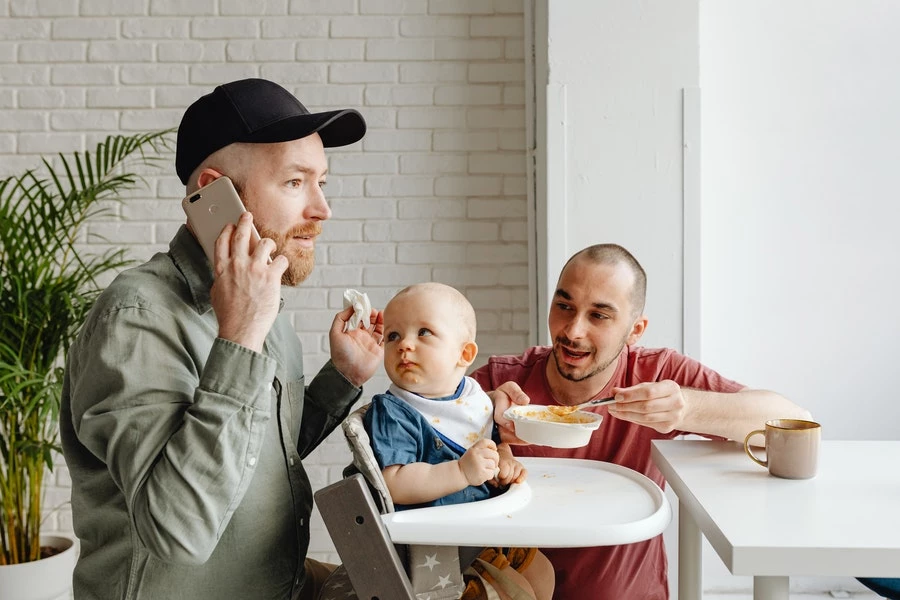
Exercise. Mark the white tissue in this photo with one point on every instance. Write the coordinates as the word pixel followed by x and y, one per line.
pixel 362 308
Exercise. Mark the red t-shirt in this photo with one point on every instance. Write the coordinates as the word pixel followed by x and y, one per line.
pixel 627 572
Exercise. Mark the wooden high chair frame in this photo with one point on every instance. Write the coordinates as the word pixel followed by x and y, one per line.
pixel 376 568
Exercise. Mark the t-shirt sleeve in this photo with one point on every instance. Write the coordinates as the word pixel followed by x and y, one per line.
pixel 690 373
pixel 483 376
pixel 395 437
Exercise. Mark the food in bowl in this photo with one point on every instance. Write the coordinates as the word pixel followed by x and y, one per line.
pixel 561 410
pixel 545 413
pixel 539 425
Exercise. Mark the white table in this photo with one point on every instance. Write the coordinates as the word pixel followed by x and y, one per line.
pixel 563 503
pixel 845 521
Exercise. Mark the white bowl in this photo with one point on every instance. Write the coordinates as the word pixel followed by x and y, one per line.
pixel 538 425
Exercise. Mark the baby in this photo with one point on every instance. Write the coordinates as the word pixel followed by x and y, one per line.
pixel 433 432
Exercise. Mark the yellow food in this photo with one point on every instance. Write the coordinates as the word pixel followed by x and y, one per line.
pixel 562 410
pixel 546 415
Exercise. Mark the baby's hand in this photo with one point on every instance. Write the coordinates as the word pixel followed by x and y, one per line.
pixel 511 470
pixel 479 463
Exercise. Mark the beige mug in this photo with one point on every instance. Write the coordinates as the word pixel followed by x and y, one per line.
pixel 792 448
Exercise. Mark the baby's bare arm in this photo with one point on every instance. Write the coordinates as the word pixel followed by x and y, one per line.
pixel 419 482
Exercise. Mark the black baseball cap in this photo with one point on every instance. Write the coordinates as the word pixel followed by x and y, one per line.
pixel 255 111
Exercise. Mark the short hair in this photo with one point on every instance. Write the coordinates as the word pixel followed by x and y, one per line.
pixel 614 254
pixel 465 313
pixel 234 160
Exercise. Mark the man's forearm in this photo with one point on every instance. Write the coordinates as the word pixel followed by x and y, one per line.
pixel 734 415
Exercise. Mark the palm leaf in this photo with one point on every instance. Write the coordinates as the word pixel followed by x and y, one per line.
pixel 47 287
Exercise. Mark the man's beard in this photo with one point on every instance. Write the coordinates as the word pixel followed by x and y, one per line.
pixel 301 261
pixel 562 340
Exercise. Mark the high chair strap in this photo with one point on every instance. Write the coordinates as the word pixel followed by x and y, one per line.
pixel 434 572
pixel 509 586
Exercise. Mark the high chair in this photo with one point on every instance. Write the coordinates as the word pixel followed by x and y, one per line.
pixel 374 568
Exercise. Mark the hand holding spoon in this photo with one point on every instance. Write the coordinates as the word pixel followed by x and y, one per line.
pixel 562 411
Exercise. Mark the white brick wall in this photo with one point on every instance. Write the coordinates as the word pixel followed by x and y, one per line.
pixel 436 190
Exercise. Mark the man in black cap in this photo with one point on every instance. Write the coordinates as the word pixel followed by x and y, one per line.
pixel 185 414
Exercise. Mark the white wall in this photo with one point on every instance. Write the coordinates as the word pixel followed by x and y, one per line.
pixel 799 128
pixel 436 190
pixel 610 153
pixel 800 177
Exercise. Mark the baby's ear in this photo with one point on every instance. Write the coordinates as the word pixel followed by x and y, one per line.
pixel 468 354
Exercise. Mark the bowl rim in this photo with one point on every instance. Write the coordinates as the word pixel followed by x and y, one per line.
pixel 512 413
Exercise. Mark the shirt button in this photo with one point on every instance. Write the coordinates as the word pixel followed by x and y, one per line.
pixel 252 461
pixel 291 461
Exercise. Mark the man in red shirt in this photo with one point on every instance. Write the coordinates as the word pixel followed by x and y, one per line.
pixel 595 320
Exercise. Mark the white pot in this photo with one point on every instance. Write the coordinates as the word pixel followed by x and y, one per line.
pixel 45 579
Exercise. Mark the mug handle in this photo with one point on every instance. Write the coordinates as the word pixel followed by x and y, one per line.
pixel 762 463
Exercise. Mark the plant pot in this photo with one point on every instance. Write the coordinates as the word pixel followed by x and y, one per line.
pixel 45 579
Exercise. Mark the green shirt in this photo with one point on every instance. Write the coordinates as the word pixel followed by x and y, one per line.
pixel 185 449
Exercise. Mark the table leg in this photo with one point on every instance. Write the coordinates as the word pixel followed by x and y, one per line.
pixel 771 588
pixel 690 556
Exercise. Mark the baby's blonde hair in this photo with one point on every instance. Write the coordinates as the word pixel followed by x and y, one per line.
pixel 462 306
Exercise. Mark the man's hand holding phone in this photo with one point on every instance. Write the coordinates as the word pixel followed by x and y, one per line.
pixel 246 293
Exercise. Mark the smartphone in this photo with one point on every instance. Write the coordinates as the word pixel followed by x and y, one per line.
pixel 210 209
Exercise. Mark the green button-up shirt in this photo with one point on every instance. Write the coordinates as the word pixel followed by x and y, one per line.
pixel 185 449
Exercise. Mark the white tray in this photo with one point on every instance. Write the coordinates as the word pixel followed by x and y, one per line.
pixel 563 503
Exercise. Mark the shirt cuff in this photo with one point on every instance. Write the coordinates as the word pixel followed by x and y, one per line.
pixel 238 372
pixel 331 392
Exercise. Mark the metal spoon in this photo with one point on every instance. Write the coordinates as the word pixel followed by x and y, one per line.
pixel 562 411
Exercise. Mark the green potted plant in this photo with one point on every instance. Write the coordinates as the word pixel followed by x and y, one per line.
pixel 49 279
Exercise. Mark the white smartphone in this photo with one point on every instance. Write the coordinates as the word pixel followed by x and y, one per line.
pixel 210 209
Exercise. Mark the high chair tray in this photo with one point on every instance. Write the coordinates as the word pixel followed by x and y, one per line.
pixel 563 503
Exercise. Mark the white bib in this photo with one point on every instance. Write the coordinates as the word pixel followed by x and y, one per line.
pixel 463 420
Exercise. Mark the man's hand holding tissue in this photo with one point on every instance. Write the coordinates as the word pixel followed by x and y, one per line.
pixel 356 338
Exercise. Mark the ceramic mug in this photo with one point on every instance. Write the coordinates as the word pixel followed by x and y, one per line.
pixel 792 448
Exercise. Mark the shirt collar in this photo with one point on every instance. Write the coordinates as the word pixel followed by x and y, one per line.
pixel 189 258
